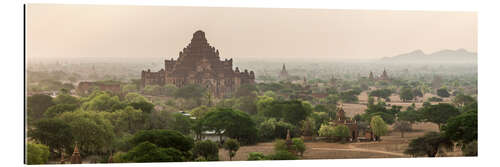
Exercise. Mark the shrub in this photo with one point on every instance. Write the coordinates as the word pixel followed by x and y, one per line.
pixel 341 132
pixel 282 155
pixel 164 138
pixel 206 149
pixel 253 156
pixel 119 157
pixel 231 146
pixel 149 152
pixel 299 145
pixel 434 99
pixel 280 145
pixel 37 153
pixel 443 92
pixel 327 131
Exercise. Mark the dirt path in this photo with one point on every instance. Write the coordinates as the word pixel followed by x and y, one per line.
pixel 353 148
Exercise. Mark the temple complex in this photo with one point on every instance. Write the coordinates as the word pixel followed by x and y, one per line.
pixel 200 64
pixel 351 124
pixel 383 77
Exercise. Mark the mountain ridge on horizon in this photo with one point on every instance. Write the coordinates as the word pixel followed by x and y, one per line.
pixel 442 56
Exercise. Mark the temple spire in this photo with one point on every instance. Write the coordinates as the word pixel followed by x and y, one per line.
pixel 75 158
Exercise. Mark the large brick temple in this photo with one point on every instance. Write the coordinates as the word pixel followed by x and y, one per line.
pixel 199 63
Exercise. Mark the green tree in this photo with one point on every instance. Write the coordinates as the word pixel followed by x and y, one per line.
pixel 182 123
pixel 144 106
pixel 127 88
pixel 103 102
pixel 461 100
pixel 381 93
pixel 152 90
pixel 439 113
pixel 443 92
pixel 332 100
pixel 206 149
pixel 90 129
pixel 246 90
pixel 402 126
pixel 350 96
pixel 292 111
pixel 232 147
pixel 263 103
pixel 388 115
pixel 280 145
pixel 299 145
pixel 37 153
pixel 470 149
pixel 199 112
pixel 309 127
pixel 327 131
pixel 282 155
pixel 129 120
pixel 341 132
pixel 165 139
pixel 378 126
pixel 270 94
pixel 191 91
pixel 463 130
pixel 37 105
pixel 149 152
pixel 169 90
pixel 232 123
pixel 161 119
pixel 247 104
pixel 406 94
pixel 57 109
pixel 418 93
pixel 52 132
pixel 134 97
pixel 66 99
pixel 254 156
pixel 410 115
pixel 429 145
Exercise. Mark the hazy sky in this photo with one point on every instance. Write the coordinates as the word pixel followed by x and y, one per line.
pixel 72 31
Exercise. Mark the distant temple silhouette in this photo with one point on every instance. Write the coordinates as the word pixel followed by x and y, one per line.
pixel 283 74
pixel 383 77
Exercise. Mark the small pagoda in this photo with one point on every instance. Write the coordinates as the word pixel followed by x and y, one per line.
pixel 75 158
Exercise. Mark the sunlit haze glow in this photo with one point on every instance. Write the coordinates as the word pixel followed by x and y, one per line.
pixel 154 32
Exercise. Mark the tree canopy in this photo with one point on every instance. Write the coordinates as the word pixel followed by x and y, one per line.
pixel 37 153
pixel 37 105
pixel 206 149
pixel 439 113
pixel 53 132
pixel 378 126
pixel 231 146
pixel 429 145
pixel 232 123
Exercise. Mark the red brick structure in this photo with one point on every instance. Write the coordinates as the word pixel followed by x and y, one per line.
pixel 75 158
pixel 351 124
pixel 200 64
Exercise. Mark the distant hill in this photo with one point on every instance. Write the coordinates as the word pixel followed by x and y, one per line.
pixel 443 56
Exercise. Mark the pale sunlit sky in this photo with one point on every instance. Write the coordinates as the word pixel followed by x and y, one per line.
pixel 73 31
